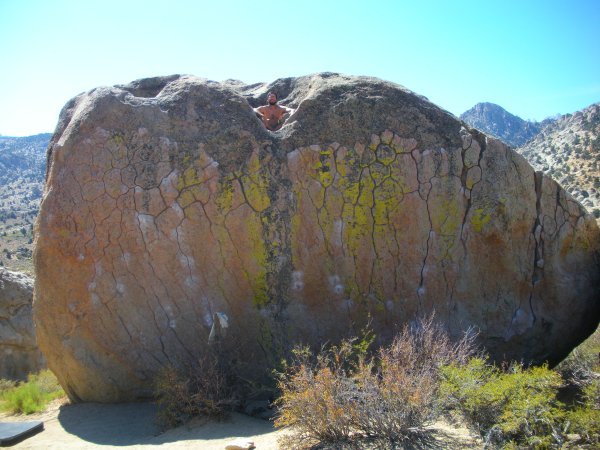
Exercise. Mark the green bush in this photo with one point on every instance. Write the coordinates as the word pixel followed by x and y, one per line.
pixel 30 396
pixel 513 407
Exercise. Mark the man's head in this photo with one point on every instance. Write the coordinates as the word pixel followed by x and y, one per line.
pixel 271 98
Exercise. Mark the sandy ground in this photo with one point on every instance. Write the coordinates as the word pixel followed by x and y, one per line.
pixel 131 425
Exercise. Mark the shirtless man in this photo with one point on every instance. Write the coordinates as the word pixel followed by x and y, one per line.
pixel 272 114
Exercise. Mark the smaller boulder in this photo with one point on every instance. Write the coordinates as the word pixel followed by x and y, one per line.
pixel 240 444
pixel 19 353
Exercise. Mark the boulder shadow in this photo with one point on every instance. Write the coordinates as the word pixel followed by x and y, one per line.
pixel 110 424
pixel 125 424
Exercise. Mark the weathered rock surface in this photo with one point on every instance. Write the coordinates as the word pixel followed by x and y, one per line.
pixel 19 353
pixel 167 202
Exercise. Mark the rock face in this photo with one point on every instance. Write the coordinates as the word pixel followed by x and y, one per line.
pixel 168 202
pixel 19 354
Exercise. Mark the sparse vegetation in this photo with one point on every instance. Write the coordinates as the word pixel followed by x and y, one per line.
pixel 30 396
pixel 200 389
pixel 520 408
pixel 347 395
pixel 581 369
pixel 341 395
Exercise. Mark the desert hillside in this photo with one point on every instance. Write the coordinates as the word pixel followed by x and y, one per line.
pixel 568 149
pixel 22 170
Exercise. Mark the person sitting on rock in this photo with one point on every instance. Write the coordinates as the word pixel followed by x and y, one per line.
pixel 272 115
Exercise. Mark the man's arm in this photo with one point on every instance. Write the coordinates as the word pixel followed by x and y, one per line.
pixel 287 113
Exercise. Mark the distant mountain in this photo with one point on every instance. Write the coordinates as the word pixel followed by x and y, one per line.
pixel 22 173
pixel 568 149
pixel 496 121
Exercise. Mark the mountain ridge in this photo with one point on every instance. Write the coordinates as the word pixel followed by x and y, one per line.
pixel 497 121
pixel 565 147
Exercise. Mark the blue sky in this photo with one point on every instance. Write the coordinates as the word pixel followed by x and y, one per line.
pixel 534 58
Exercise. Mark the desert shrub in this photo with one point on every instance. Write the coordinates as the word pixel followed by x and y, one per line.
pixel 581 370
pixel 32 395
pixel 399 388
pixel 199 389
pixel 339 396
pixel 583 362
pixel 317 396
pixel 584 419
pixel 517 406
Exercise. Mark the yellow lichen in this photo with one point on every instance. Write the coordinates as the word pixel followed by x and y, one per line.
pixel 117 140
pixel 387 197
pixel 479 218
pixel 258 255
pixel 225 191
pixel 446 218
pixel 186 198
pixel 324 167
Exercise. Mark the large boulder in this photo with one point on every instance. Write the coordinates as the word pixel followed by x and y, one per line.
pixel 169 205
pixel 19 353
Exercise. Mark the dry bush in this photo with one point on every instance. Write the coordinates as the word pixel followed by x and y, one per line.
pixel 399 389
pixel 339 396
pixel 203 388
pixel 317 398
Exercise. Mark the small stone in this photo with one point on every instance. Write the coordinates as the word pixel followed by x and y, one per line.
pixel 240 444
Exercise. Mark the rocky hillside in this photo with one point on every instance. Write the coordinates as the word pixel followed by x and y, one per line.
pixel 22 171
pixel 568 149
pixel 498 122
